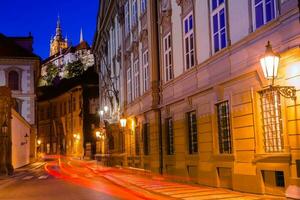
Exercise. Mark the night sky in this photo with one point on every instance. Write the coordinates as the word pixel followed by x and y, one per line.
pixel 19 17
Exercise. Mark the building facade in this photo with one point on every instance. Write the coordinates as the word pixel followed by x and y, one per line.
pixel 195 96
pixel 67 113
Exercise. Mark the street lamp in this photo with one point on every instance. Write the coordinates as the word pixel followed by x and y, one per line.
pixel 101 113
pixel 105 109
pixel 123 122
pixel 270 63
pixel 39 142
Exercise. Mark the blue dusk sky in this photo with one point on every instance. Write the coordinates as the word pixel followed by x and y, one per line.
pixel 19 17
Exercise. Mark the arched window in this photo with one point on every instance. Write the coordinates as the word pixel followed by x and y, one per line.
pixel 13 80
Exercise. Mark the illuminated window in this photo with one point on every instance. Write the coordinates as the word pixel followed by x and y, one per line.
pixel 136 79
pixel 145 71
pixel 218 25
pixel 13 80
pixel 272 121
pixel 263 12
pixel 225 145
pixel 189 56
pixel 170 136
pixel 167 45
pixel 192 132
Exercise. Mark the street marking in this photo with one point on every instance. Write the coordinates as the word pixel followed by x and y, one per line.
pixel 43 177
pixel 27 177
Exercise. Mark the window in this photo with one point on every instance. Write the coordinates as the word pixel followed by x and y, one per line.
pixel 263 12
pixel 189 56
pixel 74 103
pixel 279 177
pixel 170 136
pixel 134 13
pixel 192 132
pixel 111 142
pixel 146 138
pixel 129 89
pixel 137 141
pixel 167 42
pixel 127 19
pixel 13 80
pixel 143 6
pixel 271 116
pixel 145 71
pixel 136 80
pixel 225 145
pixel 218 25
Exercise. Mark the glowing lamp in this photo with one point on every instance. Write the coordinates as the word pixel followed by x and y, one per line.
pixel 269 63
pixel 123 122
pixel 39 142
pixel 101 112
pixel 105 109
pixel 98 134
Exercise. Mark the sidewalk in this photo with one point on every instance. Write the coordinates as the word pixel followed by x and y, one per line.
pixel 161 186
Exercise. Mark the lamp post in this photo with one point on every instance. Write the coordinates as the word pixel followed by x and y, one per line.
pixel 270 63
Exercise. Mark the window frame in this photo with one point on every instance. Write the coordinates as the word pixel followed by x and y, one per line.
pixel 129 84
pixel 168 57
pixel 189 37
pixel 134 13
pixel 222 138
pixel 146 139
pixel 263 2
pixel 127 18
pixel 216 12
pixel 170 136
pixel 16 82
pixel 136 79
pixel 273 135
pixel 143 6
pixel 192 134
pixel 146 72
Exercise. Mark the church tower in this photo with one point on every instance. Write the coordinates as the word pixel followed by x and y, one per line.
pixel 58 42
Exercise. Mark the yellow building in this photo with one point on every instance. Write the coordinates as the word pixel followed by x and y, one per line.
pixel 67 116
pixel 197 99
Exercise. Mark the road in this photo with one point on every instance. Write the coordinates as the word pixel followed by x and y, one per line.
pixel 64 178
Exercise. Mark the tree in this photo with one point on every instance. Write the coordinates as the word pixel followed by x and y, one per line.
pixel 74 69
pixel 52 72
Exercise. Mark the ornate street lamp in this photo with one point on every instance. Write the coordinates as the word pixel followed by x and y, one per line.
pixel 270 63
pixel 105 109
pixel 123 122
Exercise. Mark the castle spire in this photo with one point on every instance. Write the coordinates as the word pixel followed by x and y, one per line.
pixel 81 35
pixel 58 34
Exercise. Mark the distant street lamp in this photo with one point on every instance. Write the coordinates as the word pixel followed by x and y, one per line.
pixel 105 109
pixel 101 113
pixel 270 63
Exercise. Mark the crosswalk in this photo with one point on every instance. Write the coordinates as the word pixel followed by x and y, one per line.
pixel 185 191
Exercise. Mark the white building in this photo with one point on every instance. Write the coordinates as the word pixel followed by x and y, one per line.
pixel 19 68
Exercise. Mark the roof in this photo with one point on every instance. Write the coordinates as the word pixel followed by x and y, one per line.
pixel 82 45
pixel 70 49
pixel 10 49
pixel 89 77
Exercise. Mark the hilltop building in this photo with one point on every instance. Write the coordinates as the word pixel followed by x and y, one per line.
pixel 63 53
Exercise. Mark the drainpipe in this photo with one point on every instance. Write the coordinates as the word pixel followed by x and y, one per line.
pixel 161 159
